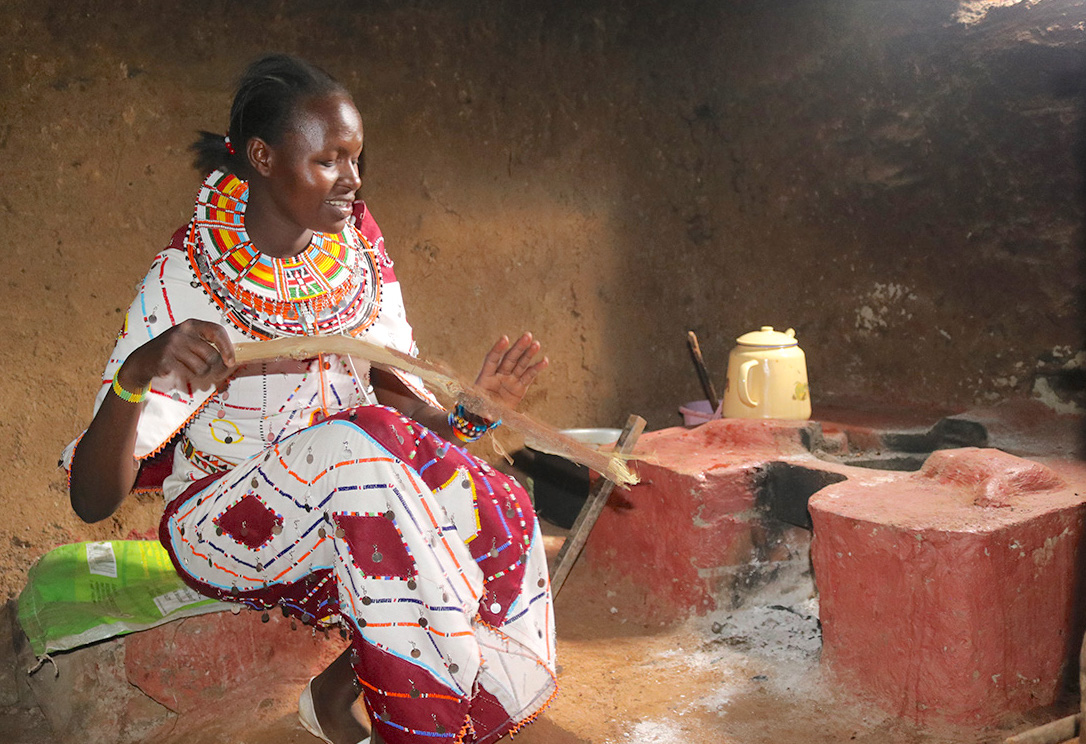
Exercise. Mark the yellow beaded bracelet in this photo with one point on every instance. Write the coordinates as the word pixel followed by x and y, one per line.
pixel 125 394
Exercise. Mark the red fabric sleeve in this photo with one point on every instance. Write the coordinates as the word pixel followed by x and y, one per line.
pixel 366 225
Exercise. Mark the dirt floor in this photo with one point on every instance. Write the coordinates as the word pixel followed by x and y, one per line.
pixel 749 676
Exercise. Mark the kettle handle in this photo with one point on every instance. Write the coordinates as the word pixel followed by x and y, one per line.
pixel 743 388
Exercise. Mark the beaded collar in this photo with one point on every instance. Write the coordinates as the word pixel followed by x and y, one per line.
pixel 333 286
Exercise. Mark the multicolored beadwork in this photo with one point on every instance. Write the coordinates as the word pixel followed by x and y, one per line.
pixel 467 427
pixel 126 395
pixel 333 286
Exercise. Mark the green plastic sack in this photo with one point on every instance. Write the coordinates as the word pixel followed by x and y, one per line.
pixel 86 592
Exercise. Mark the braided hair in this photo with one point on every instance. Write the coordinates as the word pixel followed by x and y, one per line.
pixel 267 94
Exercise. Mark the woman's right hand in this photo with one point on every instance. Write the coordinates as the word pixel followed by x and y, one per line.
pixel 197 353
pixel 194 353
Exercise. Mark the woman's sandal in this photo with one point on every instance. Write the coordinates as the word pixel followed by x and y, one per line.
pixel 308 716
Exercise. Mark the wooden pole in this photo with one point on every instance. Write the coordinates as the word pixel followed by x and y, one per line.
pixel 1082 689
pixel 1051 733
pixel 1064 729
pixel 590 512
pixel 702 370
pixel 440 377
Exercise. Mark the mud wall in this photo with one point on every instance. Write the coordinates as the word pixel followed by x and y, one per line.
pixel 897 181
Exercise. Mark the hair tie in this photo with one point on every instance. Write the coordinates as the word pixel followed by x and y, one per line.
pixel 229 145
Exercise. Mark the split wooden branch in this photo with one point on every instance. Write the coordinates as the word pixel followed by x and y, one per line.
pixel 1051 733
pixel 590 512
pixel 442 379
pixel 1082 690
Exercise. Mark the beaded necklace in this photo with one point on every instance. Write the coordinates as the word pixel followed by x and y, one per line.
pixel 333 286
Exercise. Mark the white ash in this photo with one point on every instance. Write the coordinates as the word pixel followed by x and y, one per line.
pixel 777 631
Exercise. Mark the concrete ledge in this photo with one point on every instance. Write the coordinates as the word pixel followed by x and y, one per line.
pixel 689 537
pixel 952 593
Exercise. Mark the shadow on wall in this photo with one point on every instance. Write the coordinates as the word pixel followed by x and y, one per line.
pixel 890 181
pixel 1070 83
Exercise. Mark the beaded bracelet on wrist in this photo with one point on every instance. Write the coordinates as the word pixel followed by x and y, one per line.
pixel 468 428
pixel 127 395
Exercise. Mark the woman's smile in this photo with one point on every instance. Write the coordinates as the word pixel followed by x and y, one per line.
pixel 341 205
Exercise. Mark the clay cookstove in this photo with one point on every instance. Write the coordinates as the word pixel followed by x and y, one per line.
pixel 944 555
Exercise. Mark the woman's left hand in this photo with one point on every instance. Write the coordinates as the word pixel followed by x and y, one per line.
pixel 508 371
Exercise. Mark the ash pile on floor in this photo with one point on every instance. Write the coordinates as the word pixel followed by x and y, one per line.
pixel 776 631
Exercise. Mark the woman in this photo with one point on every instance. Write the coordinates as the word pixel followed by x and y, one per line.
pixel 323 487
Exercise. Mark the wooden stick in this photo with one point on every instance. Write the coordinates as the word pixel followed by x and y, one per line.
pixel 1082 689
pixel 441 378
pixel 1050 733
pixel 703 372
pixel 590 512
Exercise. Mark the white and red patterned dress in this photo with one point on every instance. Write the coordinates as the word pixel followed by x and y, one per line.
pixel 292 488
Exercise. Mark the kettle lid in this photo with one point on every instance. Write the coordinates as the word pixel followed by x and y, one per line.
pixel 767 337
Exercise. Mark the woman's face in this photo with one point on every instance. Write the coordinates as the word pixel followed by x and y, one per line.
pixel 311 176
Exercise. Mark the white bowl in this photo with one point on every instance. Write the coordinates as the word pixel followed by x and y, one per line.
pixel 594 437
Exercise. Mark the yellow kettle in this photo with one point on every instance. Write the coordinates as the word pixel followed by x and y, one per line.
pixel 767 377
